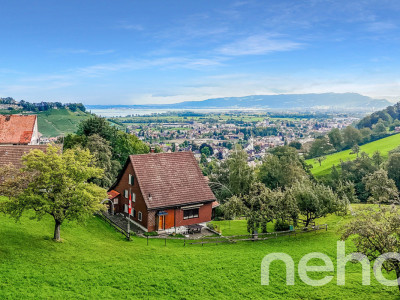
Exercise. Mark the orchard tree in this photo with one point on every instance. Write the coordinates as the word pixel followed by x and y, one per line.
pixel 376 232
pixel 261 202
pixel 314 200
pixel 58 186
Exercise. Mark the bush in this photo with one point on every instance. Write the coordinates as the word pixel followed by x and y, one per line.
pixel 210 225
pixel 281 226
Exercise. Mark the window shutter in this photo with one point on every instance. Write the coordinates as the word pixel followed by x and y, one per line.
pixel 133 197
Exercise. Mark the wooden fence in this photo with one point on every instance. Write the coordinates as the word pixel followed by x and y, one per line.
pixel 239 238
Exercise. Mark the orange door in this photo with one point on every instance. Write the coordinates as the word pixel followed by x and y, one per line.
pixel 161 223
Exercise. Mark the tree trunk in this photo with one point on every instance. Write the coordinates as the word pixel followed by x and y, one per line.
pixel 57 231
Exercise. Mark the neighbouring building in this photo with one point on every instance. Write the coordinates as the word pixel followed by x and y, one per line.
pixel 19 130
pixel 13 154
pixel 168 191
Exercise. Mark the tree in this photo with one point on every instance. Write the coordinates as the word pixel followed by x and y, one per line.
pixel 377 158
pixel 320 159
pixel 314 200
pixel 319 147
pixel 295 144
pixel 102 155
pixel 381 188
pixel 233 176
pixel 335 138
pixel 377 232
pixel 355 149
pixel 261 203
pixel 379 129
pixel 393 168
pixel 210 149
pixel 282 168
pixel 351 136
pixel 233 207
pixel 365 134
pixel 58 186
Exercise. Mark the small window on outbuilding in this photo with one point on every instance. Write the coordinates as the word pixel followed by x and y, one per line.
pixel 140 216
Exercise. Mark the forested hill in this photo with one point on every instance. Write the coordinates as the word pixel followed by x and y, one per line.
pixel 11 105
pixel 389 117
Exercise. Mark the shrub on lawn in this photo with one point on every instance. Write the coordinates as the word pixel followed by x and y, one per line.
pixel 281 226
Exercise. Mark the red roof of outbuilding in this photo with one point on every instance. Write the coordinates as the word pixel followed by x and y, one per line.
pixel 112 194
pixel 170 179
pixel 16 129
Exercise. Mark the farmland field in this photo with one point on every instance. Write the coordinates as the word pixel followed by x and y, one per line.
pixel 94 261
pixel 383 145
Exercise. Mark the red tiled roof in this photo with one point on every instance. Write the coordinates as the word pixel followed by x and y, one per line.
pixel 16 129
pixel 112 194
pixel 169 179
pixel 215 204
pixel 13 154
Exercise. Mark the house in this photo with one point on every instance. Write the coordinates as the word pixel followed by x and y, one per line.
pixel 19 130
pixel 168 192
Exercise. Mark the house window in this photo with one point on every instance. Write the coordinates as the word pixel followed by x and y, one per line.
pixel 126 194
pixel 133 197
pixel 139 216
pixel 191 213
pixel 126 208
pixel 133 212
pixel 131 179
pixel 115 200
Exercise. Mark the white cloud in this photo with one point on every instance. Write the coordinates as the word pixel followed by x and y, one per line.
pixel 258 45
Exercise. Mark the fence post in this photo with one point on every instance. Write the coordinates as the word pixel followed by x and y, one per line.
pixel 184 241
pixel 147 240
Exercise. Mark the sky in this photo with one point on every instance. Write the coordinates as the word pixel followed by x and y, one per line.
pixel 166 51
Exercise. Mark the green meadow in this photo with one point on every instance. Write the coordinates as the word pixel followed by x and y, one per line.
pixel 96 262
pixel 383 145
pixel 57 122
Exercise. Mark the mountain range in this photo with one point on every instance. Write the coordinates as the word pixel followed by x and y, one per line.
pixel 283 101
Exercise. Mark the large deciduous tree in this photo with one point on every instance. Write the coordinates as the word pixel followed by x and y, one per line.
pixel 57 185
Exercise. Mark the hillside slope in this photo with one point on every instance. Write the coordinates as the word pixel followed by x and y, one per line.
pixel 55 122
pixel 383 145
pixel 96 262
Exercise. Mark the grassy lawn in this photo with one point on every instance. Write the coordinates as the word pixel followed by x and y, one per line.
pixel 383 145
pixel 96 262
